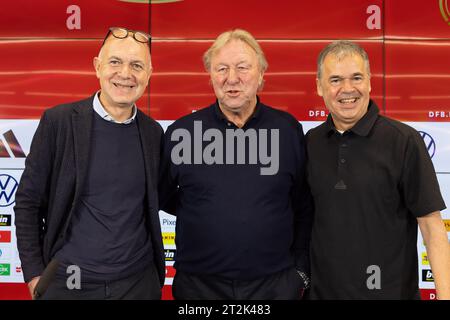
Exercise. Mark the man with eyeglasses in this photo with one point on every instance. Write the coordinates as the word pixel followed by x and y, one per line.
pixel 86 208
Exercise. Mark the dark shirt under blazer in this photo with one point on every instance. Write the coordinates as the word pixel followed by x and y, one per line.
pixel 53 180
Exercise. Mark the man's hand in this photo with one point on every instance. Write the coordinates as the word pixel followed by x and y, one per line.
pixel 438 249
pixel 32 285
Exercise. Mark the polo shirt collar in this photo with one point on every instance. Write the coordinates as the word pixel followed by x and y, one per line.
pixel 363 126
pixel 256 113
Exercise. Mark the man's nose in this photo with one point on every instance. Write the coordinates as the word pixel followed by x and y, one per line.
pixel 347 85
pixel 125 70
pixel 233 76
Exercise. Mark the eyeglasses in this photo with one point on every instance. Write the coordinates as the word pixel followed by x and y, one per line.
pixel 122 33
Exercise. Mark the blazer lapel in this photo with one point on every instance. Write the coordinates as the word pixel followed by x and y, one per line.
pixel 82 126
pixel 149 159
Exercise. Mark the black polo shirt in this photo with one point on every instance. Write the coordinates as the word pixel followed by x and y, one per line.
pixel 369 185
pixel 233 222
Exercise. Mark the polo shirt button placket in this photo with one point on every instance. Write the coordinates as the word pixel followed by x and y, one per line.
pixel 343 149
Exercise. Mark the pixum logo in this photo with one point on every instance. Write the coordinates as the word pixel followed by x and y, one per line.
pixel 9 141
pixel 429 143
pixel 445 12
pixel 235 146
pixel 8 187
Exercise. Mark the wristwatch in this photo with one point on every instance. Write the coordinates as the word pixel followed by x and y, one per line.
pixel 305 279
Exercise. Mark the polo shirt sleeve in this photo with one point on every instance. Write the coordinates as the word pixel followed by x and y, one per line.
pixel 419 185
pixel 302 205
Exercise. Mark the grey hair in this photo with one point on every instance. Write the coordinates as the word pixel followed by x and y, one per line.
pixel 340 49
pixel 235 34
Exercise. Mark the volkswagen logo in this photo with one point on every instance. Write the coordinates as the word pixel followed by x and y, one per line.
pixel 429 143
pixel 8 187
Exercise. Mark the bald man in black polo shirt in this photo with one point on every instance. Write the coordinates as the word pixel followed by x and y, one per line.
pixel 372 181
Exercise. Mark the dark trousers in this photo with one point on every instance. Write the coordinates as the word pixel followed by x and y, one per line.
pixel 283 285
pixel 141 286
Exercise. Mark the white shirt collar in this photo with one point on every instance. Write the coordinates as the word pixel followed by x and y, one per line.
pixel 106 116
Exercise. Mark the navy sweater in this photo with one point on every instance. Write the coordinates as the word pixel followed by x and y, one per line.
pixel 107 237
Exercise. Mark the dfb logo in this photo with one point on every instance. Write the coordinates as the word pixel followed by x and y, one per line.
pixel 8 187
pixel 429 143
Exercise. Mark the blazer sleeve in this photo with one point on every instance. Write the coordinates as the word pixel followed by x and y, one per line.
pixel 168 187
pixel 32 200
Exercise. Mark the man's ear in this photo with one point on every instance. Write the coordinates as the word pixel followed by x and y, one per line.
pixel 319 88
pixel 96 63
pixel 261 81
pixel 149 75
pixel 150 71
